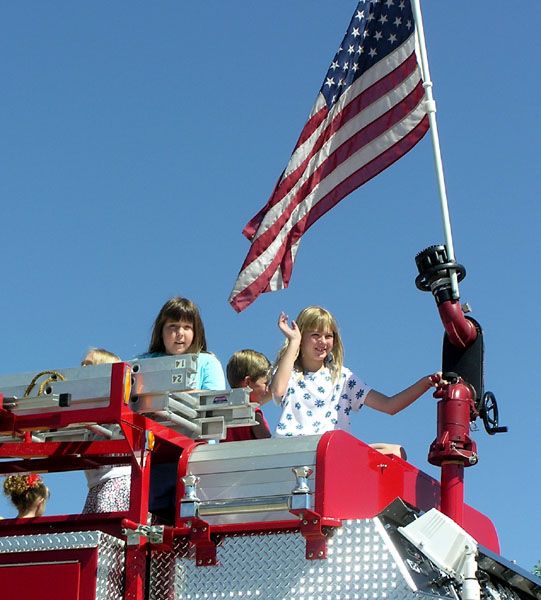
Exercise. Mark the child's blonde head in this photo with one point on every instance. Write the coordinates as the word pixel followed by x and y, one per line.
pixel 99 356
pixel 320 320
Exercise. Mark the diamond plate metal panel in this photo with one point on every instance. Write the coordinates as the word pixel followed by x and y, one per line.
pixel 273 566
pixel 162 571
pixel 110 568
pixel 51 541
pixel 110 576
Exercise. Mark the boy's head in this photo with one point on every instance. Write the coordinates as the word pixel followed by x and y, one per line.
pixel 248 368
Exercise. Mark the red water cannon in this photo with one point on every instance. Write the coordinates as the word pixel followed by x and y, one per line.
pixel 455 411
pixel 462 398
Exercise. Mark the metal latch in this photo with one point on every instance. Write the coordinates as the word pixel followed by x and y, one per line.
pixel 134 531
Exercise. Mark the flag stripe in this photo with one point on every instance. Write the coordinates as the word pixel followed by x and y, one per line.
pixel 255 270
pixel 382 76
pixel 314 177
pixel 359 97
pixel 246 295
pixel 278 235
pixel 381 71
pixel 369 112
pixel 371 169
pixel 312 125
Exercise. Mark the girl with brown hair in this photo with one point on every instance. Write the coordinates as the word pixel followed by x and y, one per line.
pixel 28 493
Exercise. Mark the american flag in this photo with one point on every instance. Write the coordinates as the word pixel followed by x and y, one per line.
pixel 368 113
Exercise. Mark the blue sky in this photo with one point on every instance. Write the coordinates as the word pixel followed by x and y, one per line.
pixel 139 138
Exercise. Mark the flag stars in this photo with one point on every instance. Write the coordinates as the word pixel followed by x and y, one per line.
pixel 374 34
pixel 376 29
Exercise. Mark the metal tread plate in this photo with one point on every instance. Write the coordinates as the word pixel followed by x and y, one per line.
pixel 110 567
pixel 272 566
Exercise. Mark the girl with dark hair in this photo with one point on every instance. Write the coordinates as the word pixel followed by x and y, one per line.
pixel 178 329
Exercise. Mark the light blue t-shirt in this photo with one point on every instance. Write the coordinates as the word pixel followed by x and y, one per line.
pixel 210 374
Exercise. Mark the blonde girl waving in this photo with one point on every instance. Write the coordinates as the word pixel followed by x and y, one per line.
pixel 313 387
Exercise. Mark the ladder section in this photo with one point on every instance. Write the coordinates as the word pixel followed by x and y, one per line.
pixel 78 404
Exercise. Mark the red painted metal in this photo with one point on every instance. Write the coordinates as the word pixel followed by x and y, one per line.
pixel 481 528
pixel 312 531
pixel 358 487
pixel 452 491
pixel 205 546
pixel 461 331
pixel 355 481
pixel 59 417
pixel 453 449
pixel 136 571
pixel 54 575
pixel 352 480
pixel 453 442
pixel 136 554
pixel 46 582
pixel 7 419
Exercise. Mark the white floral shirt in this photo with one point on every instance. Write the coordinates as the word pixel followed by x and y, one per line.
pixel 312 404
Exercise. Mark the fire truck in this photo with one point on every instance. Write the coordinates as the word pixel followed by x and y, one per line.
pixel 313 517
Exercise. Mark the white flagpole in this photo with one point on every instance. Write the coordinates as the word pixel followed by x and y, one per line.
pixel 430 105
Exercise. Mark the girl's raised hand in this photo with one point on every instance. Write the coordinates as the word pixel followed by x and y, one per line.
pixel 291 332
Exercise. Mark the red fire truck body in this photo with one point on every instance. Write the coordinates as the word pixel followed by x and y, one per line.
pixel 309 517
